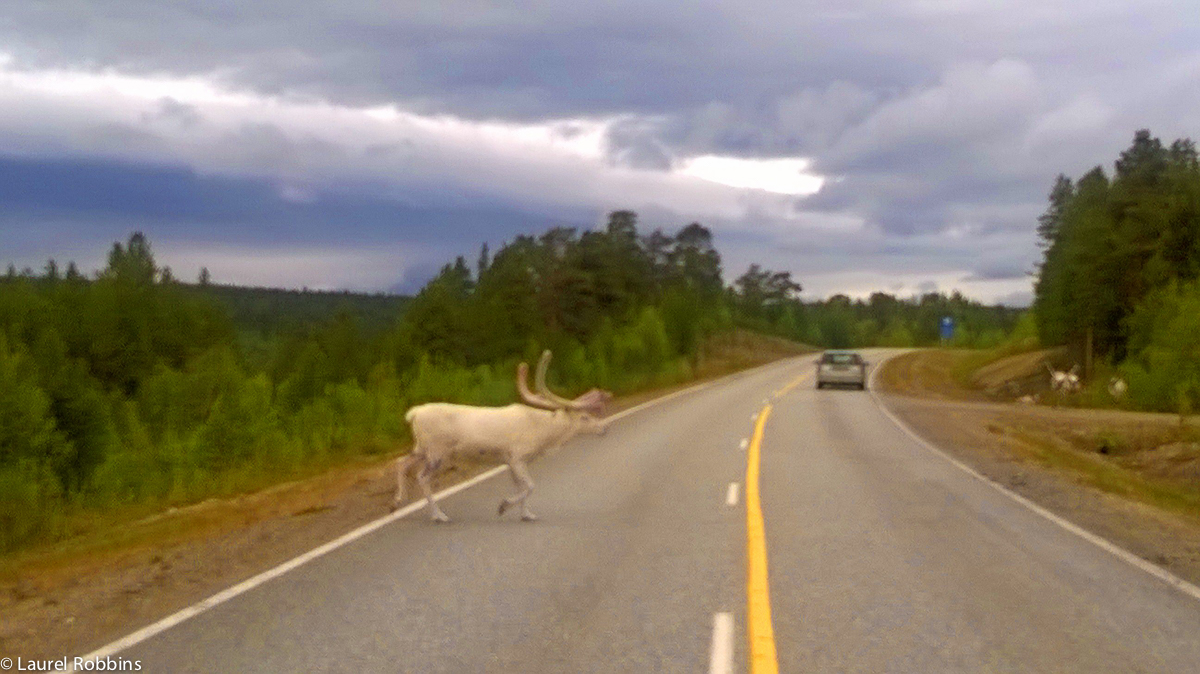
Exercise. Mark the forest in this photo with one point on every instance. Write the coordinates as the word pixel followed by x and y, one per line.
pixel 1117 283
pixel 127 388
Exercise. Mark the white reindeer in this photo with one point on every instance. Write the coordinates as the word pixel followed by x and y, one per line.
pixel 1117 388
pixel 514 434
pixel 1064 382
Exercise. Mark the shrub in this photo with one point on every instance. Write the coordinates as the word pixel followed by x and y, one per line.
pixel 1165 373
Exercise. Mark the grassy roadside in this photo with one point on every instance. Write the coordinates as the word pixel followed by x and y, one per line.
pixel 1109 476
pixel 109 538
pixel 932 373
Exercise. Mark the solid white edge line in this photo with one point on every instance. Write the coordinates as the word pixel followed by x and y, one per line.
pixel 731 494
pixel 254 581
pixel 1103 543
pixel 225 595
pixel 720 656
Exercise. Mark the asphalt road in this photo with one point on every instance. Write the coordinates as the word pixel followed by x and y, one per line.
pixel 883 557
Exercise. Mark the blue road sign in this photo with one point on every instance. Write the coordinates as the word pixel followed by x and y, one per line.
pixel 947 327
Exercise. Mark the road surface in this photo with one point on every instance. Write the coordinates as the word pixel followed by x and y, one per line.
pixel 883 557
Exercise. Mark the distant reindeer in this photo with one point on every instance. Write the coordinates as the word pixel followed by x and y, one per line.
pixel 514 434
pixel 1064 382
pixel 1117 388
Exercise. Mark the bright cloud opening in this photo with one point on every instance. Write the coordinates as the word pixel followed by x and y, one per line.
pixel 781 176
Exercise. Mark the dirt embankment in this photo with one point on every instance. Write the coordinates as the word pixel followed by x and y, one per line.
pixel 964 374
pixel 1131 477
pixel 69 598
pixel 929 374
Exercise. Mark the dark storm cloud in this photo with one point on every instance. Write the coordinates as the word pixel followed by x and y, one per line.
pixel 175 201
pixel 1003 270
pixel 91 203
pixel 938 124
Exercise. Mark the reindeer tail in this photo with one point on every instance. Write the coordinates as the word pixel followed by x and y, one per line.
pixel 412 412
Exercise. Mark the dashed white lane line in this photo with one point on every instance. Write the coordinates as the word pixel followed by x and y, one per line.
pixel 744 444
pixel 720 657
pixel 731 495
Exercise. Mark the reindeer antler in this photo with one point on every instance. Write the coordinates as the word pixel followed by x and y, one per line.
pixel 539 381
pixel 592 402
pixel 528 396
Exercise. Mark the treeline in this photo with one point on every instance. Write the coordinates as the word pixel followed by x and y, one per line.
pixel 1118 277
pixel 766 301
pixel 270 311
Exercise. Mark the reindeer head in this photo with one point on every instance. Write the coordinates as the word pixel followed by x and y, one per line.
pixel 587 410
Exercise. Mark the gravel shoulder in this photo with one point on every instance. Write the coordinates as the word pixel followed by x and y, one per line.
pixel 1133 478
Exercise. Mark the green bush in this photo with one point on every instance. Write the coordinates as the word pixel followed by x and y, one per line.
pixel 1164 374
pixel 241 426
pixel 30 507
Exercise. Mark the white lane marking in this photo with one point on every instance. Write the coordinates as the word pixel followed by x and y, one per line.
pixel 253 582
pixel 744 444
pixel 1103 543
pixel 720 656
pixel 225 595
pixel 731 495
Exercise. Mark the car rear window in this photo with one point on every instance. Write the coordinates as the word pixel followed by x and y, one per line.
pixel 840 358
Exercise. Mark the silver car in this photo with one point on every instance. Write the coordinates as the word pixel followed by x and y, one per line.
pixel 844 368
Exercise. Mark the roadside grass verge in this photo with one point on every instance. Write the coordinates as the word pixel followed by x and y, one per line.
pixel 1107 475
pixel 105 537
pixel 1004 373
pixel 933 373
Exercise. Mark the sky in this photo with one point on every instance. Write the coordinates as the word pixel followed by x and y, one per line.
pixel 895 145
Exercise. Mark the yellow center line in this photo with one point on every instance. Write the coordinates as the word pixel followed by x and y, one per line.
pixel 763 659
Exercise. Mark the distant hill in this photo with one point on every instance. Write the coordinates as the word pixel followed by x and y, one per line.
pixel 270 310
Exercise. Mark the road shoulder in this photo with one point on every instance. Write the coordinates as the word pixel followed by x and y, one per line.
pixel 1060 459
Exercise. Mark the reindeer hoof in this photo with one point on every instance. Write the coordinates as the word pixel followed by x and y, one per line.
pixel 394 507
pixel 440 518
pixel 529 517
pixel 503 506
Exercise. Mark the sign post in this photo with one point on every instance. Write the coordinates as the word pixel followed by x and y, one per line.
pixel 947 329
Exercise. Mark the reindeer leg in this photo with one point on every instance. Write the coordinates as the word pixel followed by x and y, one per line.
pixel 520 476
pixel 423 479
pixel 506 503
pixel 404 466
